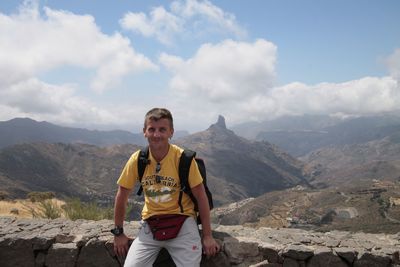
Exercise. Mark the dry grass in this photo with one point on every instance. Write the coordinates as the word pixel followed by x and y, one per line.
pixel 21 207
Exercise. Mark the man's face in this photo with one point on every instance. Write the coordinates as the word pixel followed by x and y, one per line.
pixel 158 133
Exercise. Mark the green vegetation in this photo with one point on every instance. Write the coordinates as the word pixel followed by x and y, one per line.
pixel 75 209
pixel 4 195
pixel 47 209
pixel 40 196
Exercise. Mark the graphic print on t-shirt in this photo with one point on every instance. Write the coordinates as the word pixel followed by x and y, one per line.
pixel 159 189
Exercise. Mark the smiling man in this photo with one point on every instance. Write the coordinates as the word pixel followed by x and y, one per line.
pixel 164 223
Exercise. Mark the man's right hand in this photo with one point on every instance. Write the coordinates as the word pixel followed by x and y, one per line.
pixel 121 245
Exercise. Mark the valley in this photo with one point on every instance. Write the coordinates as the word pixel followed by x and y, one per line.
pixel 374 209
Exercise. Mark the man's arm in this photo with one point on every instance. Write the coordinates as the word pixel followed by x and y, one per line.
pixel 121 199
pixel 210 246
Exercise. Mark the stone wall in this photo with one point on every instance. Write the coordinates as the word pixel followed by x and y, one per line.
pixel 34 242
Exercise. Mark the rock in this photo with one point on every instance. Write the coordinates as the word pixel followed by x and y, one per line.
pixel 325 257
pixel 16 252
pixel 237 251
pixel 348 254
pixel 298 252
pixel 221 122
pixel 368 259
pixel 62 255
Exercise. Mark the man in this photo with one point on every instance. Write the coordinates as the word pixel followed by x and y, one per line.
pixel 161 190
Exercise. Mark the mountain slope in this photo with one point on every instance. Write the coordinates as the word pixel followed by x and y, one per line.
pixel 357 163
pixel 80 170
pixel 369 208
pixel 239 168
pixel 17 131
pixel 299 135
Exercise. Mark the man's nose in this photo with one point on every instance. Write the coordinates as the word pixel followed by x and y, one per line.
pixel 156 133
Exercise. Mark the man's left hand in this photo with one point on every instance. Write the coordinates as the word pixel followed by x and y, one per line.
pixel 210 246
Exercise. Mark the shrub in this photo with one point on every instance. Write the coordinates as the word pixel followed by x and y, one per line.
pixel 3 195
pixel 75 209
pixel 47 209
pixel 14 211
pixel 40 196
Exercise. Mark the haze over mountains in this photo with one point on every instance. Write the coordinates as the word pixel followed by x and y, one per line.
pixel 25 130
pixel 299 135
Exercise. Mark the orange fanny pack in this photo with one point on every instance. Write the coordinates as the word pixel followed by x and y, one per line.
pixel 166 226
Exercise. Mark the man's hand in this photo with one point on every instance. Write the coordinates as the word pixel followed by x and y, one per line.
pixel 210 246
pixel 121 245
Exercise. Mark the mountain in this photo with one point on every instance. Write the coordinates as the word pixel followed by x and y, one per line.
pixel 378 159
pixel 79 170
pixel 299 135
pixel 24 130
pixel 240 168
pixel 237 168
pixel 373 208
pixel 250 130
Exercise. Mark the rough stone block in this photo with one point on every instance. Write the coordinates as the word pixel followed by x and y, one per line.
pixel 62 255
pixel 324 257
pixel 298 252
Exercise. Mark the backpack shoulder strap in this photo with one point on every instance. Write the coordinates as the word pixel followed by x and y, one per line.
pixel 202 168
pixel 143 160
pixel 184 167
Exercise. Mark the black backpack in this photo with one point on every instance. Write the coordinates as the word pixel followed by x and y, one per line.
pixel 184 166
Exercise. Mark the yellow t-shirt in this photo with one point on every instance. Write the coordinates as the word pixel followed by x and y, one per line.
pixel 161 197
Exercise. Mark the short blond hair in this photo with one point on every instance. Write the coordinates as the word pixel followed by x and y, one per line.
pixel 156 114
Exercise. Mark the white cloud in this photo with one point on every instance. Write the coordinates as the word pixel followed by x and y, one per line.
pixel 393 64
pixel 358 97
pixel 232 78
pixel 185 17
pixel 207 12
pixel 31 44
pixel 35 99
pixel 236 79
pixel 160 23
pixel 225 72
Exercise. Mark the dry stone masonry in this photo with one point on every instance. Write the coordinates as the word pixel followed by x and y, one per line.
pixel 38 242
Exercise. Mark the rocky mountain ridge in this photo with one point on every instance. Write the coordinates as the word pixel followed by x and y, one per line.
pixel 352 178
pixel 244 168
pixel 25 130
pixel 69 170
pixel 237 168
pixel 373 208
pixel 356 163
pixel 299 135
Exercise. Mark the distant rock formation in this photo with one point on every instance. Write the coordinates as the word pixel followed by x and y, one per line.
pixel 38 242
pixel 221 122
pixel 220 125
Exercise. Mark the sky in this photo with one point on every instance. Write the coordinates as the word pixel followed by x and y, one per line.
pixel 104 64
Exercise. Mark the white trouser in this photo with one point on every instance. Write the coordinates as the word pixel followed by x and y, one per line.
pixel 185 249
